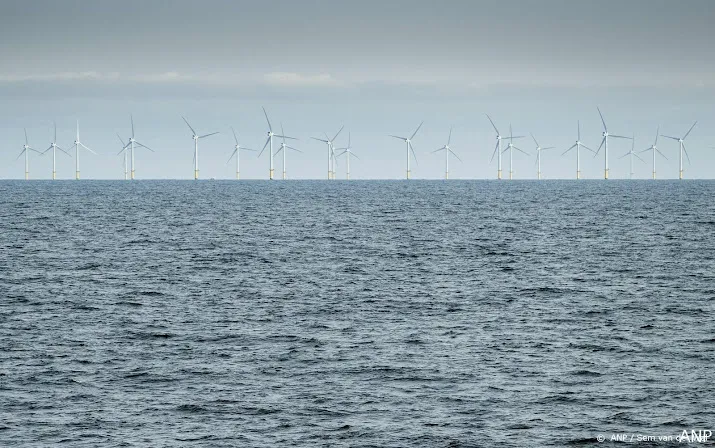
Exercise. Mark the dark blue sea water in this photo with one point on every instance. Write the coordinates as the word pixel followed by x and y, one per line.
pixel 366 313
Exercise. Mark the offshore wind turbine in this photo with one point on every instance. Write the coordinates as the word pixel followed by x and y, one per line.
pixel 447 150
pixel 681 142
pixel 348 153
pixel 285 149
pixel 632 153
pixel 26 148
pixel 604 143
pixel 497 148
pixel 196 138
pixel 132 142
pixel 510 147
pixel 578 146
pixel 76 145
pixel 331 151
pixel 408 144
pixel 53 146
pixel 654 148
pixel 237 152
pixel 538 156
pixel 269 141
pixel 124 146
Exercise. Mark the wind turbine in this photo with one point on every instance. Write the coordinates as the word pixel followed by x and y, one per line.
pixel 237 152
pixel 26 148
pixel 270 141
pixel 604 143
pixel 654 148
pixel 348 153
pixel 447 150
pixel 285 149
pixel 510 147
pixel 578 146
pixel 76 145
pixel 538 156
pixel 331 151
pixel 54 148
pixel 196 138
pixel 124 146
pixel 681 142
pixel 408 143
pixel 133 142
pixel 497 148
pixel 632 153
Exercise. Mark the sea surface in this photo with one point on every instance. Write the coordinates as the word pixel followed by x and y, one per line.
pixel 355 314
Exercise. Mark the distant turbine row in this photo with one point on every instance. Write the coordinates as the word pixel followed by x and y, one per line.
pixel 128 148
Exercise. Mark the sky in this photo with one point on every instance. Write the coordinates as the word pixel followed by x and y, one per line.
pixel 375 67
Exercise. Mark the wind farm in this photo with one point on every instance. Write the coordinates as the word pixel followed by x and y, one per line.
pixel 131 144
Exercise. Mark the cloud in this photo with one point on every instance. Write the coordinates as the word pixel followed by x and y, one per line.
pixel 290 79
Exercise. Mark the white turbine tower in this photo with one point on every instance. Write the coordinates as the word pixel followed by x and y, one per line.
pixel 408 144
pixel 348 152
pixel 447 150
pixel 654 148
pixel 510 147
pixel 26 148
pixel 285 149
pixel 196 138
pixel 237 152
pixel 632 153
pixel 53 146
pixel 269 141
pixel 124 146
pixel 604 143
pixel 681 142
pixel 76 145
pixel 331 151
pixel 578 146
pixel 497 148
pixel 132 142
pixel 538 156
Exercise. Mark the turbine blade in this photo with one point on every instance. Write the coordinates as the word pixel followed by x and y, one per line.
pixel 661 154
pixel 401 138
pixel 496 148
pixel 336 135
pixel 619 136
pixel 144 146
pixel 415 133
pixel 584 146
pixel 521 151
pixel 626 154
pixel 439 149
pixel 246 149
pixel 691 128
pixel 294 149
pixel 686 153
pixel 284 133
pixel 493 125
pixel 124 145
pixel 319 139
pixel 25 136
pixel 449 139
pixel 234 135
pixel 285 136
pixel 578 123
pixel 70 155
pixel 605 128
pixel 231 157
pixel 639 158
pixel 455 155
pixel 535 142
pixel 548 147
pixel 517 136
pixel 572 147
pixel 55 140
pixel 351 154
pixel 270 128
pixel 264 147
pixel 87 148
pixel 21 153
pixel 208 135
pixel 132 120
pixel 413 150
pixel 600 146
pixel 187 124
pixel 656 136
pixel 668 136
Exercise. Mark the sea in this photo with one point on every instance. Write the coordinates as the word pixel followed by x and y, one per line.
pixel 355 313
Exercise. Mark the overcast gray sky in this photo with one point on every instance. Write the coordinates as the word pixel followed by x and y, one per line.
pixel 378 67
